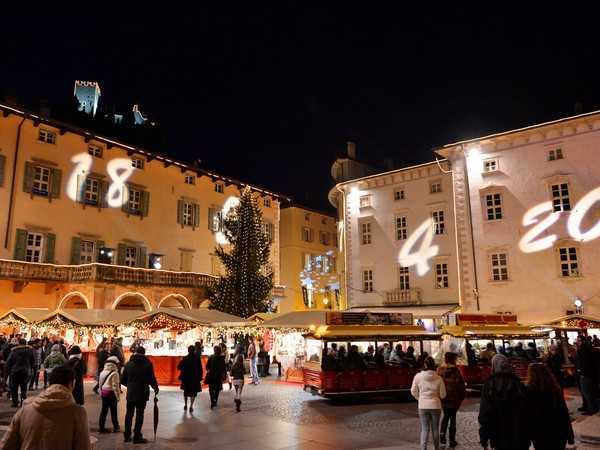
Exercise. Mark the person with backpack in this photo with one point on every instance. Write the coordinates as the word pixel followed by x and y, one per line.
pixel 455 394
pixel 19 366
pixel 109 385
pixel 429 389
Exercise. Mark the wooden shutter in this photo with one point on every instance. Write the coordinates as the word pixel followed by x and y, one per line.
pixel 75 250
pixel 141 257
pixel 145 203
pixel 20 245
pixel 186 261
pixel 50 243
pixel 121 253
pixel 196 215
pixel 125 198
pixel 80 194
pixel 28 177
pixel 99 245
pixel 104 194
pixel 180 212
pixel 211 219
pixel 2 165
pixel 55 181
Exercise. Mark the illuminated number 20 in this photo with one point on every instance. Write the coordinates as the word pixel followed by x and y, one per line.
pixel 426 251
pixel 528 243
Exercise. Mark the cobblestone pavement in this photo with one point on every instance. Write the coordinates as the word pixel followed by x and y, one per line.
pixel 279 416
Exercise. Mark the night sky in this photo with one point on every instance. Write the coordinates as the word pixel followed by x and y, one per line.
pixel 270 95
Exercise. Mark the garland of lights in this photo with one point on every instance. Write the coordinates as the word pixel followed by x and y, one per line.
pixel 246 287
pixel 12 321
pixel 162 321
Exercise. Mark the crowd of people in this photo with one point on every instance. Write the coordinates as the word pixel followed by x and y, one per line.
pixel 337 358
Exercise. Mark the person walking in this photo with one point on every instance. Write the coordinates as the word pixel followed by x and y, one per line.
pixel 101 357
pixel 227 357
pixel 549 422
pixel 252 357
pixel 429 389
pixel 190 375
pixel 588 376
pixel 554 362
pixel 138 376
pixel 215 375
pixel 237 373
pixel 53 360
pixel 503 419
pixel 109 383
pixel 79 367
pixel 51 420
pixel 37 363
pixel 455 394
pixel 47 349
pixel 19 367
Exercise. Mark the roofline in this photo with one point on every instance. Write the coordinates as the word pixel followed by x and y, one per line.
pixel 149 155
pixel 306 208
pixel 517 130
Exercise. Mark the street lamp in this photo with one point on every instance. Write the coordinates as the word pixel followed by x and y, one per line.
pixel 578 305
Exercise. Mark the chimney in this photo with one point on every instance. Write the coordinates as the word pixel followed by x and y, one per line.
pixel 351 149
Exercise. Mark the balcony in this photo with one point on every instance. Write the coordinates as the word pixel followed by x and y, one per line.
pixel 403 297
pixel 25 272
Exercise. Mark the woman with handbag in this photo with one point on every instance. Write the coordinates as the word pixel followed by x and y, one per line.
pixel 237 373
pixel 190 374
pixel 215 375
pixel 109 383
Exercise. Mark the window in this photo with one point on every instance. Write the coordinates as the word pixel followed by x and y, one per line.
pixel 399 194
pixel 130 256
pixel 438 222
pixel 365 201
pixel 307 217
pixel 499 267
pixel 41 180
pixel 137 163
pixel 368 280
pixel 490 165
pixel 441 276
pixel 219 187
pixel 86 252
pixel 435 187
pixel 46 136
pixel 92 191
pixel 401 231
pixel 135 202
pixel 269 229
pixel 190 179
pixel 307 234
pixel 95 151
pixel 324 237
pixel 403 279
pixel 366 233
pixel 493 206
pixel 33 251
pixel 569 264
pixel 560 197
pixel 267 202
pixel 307 261
pixel 555 154
pixel 188 214
pixel 186 261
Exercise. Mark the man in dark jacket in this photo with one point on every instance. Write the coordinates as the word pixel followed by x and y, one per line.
pixel 19 366
pixel 138 376
pixel 588 375
pixel 503 418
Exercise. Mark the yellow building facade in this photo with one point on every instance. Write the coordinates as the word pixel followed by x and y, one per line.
pixel 87 221
pixel 309 260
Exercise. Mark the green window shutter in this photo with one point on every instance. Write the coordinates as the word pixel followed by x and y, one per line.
pixel 75 250
pixel 99 245
pixel 80 188
pixel 196 215
pixel 141 257
pixel 50 243
pixel 121 253
pixel 145 203
pixel 20 245
pixel 2 165
pixel 56 182
pixel 179 211
pixel 28 177
pixel 104 194
pixel 211 219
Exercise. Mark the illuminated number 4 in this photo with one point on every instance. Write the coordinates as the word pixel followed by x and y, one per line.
pixel 426 251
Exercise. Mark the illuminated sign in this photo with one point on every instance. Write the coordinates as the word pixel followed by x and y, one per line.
pixel 119 170
pixel 426 251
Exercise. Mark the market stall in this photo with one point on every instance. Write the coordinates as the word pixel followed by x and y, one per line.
pixel 20 321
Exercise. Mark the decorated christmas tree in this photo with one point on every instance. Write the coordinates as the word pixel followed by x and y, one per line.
pixel 245 287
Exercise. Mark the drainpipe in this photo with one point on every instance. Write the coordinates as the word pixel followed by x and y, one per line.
pixel 11 199
pixel 342 195
pixel 468 195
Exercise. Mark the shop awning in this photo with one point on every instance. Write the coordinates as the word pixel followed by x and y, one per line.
pixel 212 317
pixel 297 319
pixel 23 315
pixel 512 331
pixel 89 317
pixel 572 322
pixel 373 333
pixel 418 312
pixel 263 317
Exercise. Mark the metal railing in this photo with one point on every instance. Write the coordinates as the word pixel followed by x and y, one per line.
pixel 26 271
pixel 403 297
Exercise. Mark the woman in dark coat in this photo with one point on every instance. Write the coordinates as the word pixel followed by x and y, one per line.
pixel 549 421
pixel 215 375
pixel 77 364
pixel 503 418
pixel 455 394
pixel 190 374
